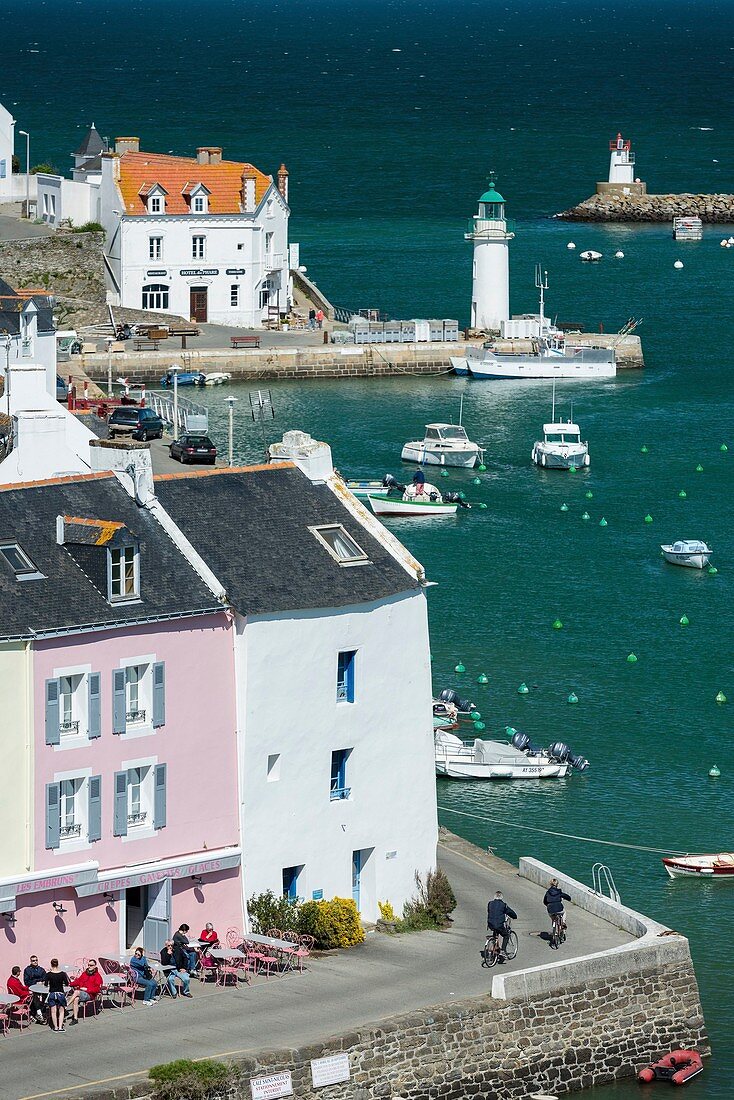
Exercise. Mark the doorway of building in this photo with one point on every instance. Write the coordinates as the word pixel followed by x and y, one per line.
pixel 199 303
pixel 148 916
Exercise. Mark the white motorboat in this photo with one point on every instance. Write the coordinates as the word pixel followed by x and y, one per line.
pixel 590 256
pixel 216 378
pixel 690 552
pixel 418 499
pixel 443 445
pixel 561 446
pixel 515 759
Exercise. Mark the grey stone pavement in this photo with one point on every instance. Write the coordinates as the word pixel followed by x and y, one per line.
pixel 13 229
pixel 340 991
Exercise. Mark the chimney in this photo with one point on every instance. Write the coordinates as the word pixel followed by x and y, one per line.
pixel 215 154
pixel 130 461
pixel 127 145
pixel 248 189
pixel 312 457
pixel 283 182
pixel 202 154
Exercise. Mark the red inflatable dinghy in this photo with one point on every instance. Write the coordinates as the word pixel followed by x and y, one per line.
pixel 678 1067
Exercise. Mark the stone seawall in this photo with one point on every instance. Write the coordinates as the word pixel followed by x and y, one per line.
pixel 613 207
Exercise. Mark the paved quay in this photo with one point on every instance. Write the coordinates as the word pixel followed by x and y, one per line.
pixel 340 991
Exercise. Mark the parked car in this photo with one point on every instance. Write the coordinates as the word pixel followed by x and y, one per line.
pixel 62 390
pixel 193 448
pixel 140 423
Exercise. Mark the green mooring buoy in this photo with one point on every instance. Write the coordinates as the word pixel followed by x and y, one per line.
pixel 523 689
pixel 573 698
pixel 444 473
pixel 723 447
pixel 585 515
pixel 699 469
pixel 682 494
pixel 479 726
pixel 510 731
pixel 476 481
pixel 602 522
pixel 482 679
pixel 712 570
pixel 684 620
pixel 589 495
pixel 564 507
pixel 644 449
pixel 481 505
pixel 648 518
pixel 481 467
pixel 461 667
pixel 572 469
pixel 558 625
pixel 631 658
pixel 714 772
pixel 720 697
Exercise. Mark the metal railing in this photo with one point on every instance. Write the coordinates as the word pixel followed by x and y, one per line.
pixel 602 882
pixel 70 830
pixel 69 727
pixel 491 226
pixel 137 818
pixel 336 794
pixel 135 716
pixel 162 404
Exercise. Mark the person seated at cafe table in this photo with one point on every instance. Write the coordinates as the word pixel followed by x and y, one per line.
pixel 209 937
pixel 85 988
pixel 16 986
pixel 32 975
pixel 181 940
pixel 144 976
pixel 173 956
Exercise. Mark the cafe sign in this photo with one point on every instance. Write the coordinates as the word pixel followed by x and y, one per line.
pixel 271 1087
pixel 150 875
pixel 329 1071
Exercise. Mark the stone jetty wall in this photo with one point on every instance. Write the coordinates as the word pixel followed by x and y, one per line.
pixel 556 1028
pixel 614 207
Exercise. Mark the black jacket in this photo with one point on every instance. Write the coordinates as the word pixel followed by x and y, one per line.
pixel 175 957
pixel 33 974
pixel 497 912
pixel 554 899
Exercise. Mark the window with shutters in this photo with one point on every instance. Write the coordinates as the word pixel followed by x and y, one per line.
pixel 73 707
pixel 139 807
pixel 138 697
pixel 69 706
pixel 139 797
pixel 73 811
pixel 123 573
pixel 136 694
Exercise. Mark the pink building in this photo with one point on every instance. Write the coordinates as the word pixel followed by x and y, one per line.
pixel 133 816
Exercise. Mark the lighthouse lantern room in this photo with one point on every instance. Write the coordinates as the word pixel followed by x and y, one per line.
pixel 490 233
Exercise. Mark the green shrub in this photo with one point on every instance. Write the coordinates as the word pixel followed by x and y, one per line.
pixel 88 227
pixel 269 911
pixel 50 169
pixel 188 1080
pixel 332 923
pixel 431 906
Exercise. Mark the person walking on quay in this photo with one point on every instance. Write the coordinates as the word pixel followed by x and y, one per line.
pixel 497 913
pixel 312 318
pixel 320 318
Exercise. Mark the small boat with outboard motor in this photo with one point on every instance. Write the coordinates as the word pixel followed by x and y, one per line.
pixel 364 488
pixel 719 866
pixel 444 445
pixel 417 499
pixel 185 378
pixel 215 378
pixel 450 709
pixel 691 552
pixel 517 758
pixel 561 446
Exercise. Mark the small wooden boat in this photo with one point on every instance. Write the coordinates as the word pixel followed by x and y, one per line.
pixel 720 865
pixel 418 499
pixel 363 489
pixel 691 552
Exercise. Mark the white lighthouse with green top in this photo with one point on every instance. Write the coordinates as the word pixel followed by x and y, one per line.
pixel 491 233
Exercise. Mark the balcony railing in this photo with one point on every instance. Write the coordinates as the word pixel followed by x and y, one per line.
pixel 138 818
pixel 69 727
pixel 274 261
pixel 336 794
pixel 490 227
pixel 132 716
pixel 70 830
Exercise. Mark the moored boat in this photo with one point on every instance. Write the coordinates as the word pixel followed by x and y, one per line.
pixel 514 759
pixel 545 361
pixel 185 378
pixel 417 499
pixel 691 552
pixel 443 445
pixel 363 489
pixel 717 866
pixel 216 378
pixel 678 1068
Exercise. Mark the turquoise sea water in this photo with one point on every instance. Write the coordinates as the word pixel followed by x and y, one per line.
pixel 389 116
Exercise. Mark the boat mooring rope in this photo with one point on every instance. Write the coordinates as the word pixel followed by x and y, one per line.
pixel 568 836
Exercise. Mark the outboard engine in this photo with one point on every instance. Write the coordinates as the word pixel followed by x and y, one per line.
pixel 578 762
pixel 448 695
pixel 520 741
pixel 559 751
pixel 390 482
pixel 456 498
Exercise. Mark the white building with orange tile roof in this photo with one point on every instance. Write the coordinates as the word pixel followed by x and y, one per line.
pixel 198 237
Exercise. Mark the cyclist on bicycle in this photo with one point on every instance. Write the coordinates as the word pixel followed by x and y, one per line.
pixel 553 901
pixel 497 913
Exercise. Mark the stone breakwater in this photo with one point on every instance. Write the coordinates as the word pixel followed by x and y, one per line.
pixel 651 208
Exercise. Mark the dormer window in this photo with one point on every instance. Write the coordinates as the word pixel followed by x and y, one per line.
pixel 340 545
pixel 197 196
pixel 154 197
pixel 123 573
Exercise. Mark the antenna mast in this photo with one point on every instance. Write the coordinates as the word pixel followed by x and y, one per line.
pixel 541 282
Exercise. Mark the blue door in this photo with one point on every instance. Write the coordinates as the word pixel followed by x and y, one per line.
pixel 356 876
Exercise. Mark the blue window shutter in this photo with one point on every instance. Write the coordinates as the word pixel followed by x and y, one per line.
pixel 159 693
pixel 118 700
pixel 120 818
pixel 53 733
pixel 53 815
pixel 95 807
pixel 159 797
pixel 350 676
pixel 94 725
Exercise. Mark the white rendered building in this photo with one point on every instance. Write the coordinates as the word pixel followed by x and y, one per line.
pixel 7 148
pixel 490 233
pixel 197 237
pixel 71 201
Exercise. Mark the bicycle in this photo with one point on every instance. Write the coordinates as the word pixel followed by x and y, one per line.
pixel 492 952
pixel 558 930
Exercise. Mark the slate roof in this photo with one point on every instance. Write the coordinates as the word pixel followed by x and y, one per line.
pixel 92 144
pixel 12 303
pixel 173 174
pixel 251 528
pixel 73 595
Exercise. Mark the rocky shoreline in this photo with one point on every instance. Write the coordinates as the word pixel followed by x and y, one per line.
pixel 613 207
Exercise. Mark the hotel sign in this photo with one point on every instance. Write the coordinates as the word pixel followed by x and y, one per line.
pixel 269 1088
pixel 152 875
pixel 329 1071
pixel 200 271
pixel 235 271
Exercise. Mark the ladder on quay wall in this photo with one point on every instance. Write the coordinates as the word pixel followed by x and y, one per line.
pixel 602 882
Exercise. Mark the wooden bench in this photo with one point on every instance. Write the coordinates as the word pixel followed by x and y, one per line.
pixel 245 341
pixel 147 344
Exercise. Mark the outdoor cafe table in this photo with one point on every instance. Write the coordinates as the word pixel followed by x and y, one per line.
pixel 227 953
pixel 8 999
pixel 268 941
